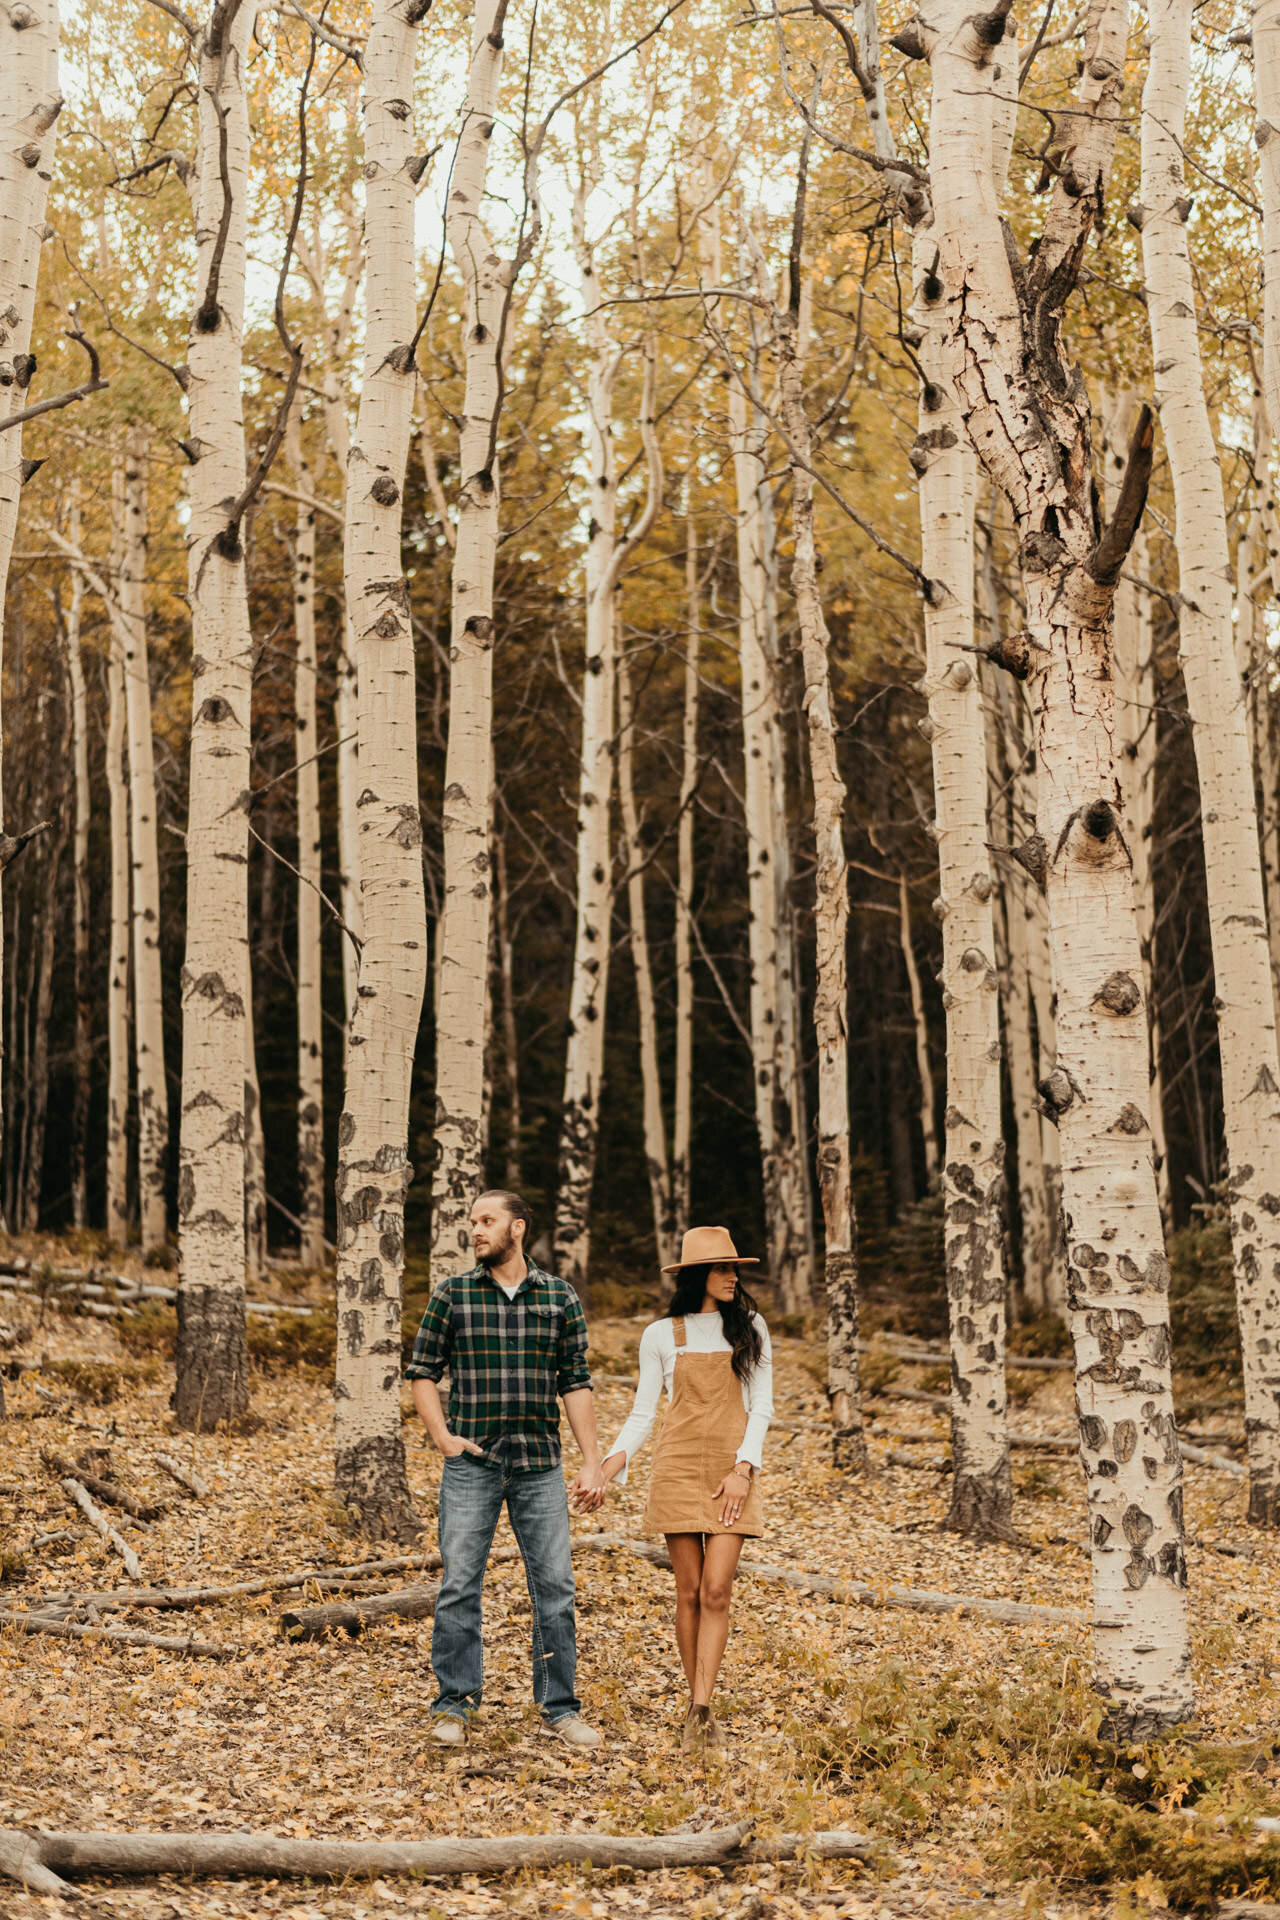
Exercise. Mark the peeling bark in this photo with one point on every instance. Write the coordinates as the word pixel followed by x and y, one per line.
pixel 1245 999
pixel 373 1162
pixel 215 973
pixel 463 999
pixel 1027 412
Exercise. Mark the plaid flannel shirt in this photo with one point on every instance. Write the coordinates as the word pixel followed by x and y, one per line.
pixel 507 1361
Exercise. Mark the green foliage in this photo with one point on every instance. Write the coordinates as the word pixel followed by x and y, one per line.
pixel 99 1382
pixel 282 1340
pixel 150 1329
pixel 1202 1304
pixel 878 1367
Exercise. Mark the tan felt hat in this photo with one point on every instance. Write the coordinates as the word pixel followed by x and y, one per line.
pixel 712 1247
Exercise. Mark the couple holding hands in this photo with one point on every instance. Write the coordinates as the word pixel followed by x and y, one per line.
pixel 513 1340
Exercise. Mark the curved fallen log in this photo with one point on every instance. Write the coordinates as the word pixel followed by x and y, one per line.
pixel 39 1858
pixel 119 1636
pixel 352 1616
pixel 1014 1613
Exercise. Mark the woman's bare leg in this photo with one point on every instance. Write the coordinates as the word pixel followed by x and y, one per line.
pixel 686 1563
pixel 719 1565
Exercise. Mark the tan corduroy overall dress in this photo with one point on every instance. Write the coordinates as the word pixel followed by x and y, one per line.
pixel 698 1446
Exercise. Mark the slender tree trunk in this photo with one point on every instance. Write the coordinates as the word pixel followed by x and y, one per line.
pixel 41 1014
pixel 462 1006
pixel 682 1129
pixel 1266 135
pixel 307 781
pixel 1257 577
pixel 1026 409
pixel 1237 912
pixel 920 1028
pixel 212 1385
pixel 373 1161
pixel 117 952
pixel 1136 739
pixel 82 983
pixel 255 1152
pixel 148 995
pixel 831 906
pixel 510 1037
pixel 29 106
pixel 655 1130
pixel 973 1161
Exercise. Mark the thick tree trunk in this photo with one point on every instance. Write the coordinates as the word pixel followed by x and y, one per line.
pixel 82 984
pixel 373 1161
pixel 1136 739
pixel 144 866
pixel 655 1129
pixel 307 782
pixel 1245 998
pixel 463 1001
pixel 29 106
pixel 682 1121
pixel 117 1214
pixel 1027 412
pixel 831 907
pixel 973 1159
pixel 211 1384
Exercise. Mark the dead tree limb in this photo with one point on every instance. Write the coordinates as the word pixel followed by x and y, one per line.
pixel 100 1524
pixel 352 1616
pixel 38 1858
pixel 119 1636
pixel 11 844
pixel 914 1599
pixel 185 1476
pixel 105 1489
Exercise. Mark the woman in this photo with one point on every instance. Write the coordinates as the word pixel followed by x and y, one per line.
pixel 712 1353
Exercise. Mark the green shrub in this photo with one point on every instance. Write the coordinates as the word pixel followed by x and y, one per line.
pixel 1202 1302
pixel 151 1329
pixel 99 1382
pixel 281 1340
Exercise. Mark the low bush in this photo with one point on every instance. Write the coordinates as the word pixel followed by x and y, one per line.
pixel 282 1340
pixel 150 1329
pixel 99 1382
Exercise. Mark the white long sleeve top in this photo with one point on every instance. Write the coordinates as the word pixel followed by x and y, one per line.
pixel 704 1333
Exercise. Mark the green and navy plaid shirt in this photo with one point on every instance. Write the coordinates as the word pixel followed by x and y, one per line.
pixel 507 1360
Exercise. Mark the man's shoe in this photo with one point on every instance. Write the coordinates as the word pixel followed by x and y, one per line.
pixel 447 1730
pixel 698 1723
pixel 574 1732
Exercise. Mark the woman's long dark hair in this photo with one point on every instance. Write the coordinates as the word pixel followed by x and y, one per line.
pixel 740 1329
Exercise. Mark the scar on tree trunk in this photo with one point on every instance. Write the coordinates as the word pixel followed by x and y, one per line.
pixel 212 1386
pixel 371 1483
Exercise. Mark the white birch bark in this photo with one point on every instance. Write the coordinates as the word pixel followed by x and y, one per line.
pixel 1027 413
pixel 1136 740
pixel 973 1156
pixel 920 1029
pixel 144 865
pixel 30 102
pixel 1237 913
pixel 211 1385
pixel 463 934
pixel 1257 577
pixel 82 982
pixel 831 906
pixel 682 1117
pixel 1266 135
pixel 117 1220
pixel 307 787
pixel 373 1161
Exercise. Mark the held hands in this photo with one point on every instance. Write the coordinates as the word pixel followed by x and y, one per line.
pixel 733 1491
pixel 587 1493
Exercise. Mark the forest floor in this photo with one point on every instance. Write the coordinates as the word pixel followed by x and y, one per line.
pixel 963 1748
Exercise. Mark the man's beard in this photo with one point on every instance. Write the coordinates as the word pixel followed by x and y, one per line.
pixel 500 1245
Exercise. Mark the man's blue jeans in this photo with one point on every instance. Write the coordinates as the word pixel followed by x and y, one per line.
pixel 471 1497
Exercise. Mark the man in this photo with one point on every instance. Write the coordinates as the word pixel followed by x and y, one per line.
pixel 512 1338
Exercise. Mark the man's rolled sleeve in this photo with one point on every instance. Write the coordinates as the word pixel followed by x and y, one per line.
pixel 433 1341
pixel 572 1370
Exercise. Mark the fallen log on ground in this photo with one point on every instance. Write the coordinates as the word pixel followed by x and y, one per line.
pixel 914 1599
pixel 40 1858
pixel 1200 1457
pixel 185 1476
pixel 352 1616
pixel 119 1636
pixel 939 1357
pixel 115 1496
pixel 116 1599
pixel 102 1525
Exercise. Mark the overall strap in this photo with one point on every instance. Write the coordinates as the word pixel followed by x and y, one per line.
pixel 678 1331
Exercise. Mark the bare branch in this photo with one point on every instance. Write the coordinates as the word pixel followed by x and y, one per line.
pixel 94 384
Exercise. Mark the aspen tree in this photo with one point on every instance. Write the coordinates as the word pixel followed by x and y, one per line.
pixel 1266 136
pixel 682 1118
pixel 373 1162
pixel 81 976
pixel 463 932
pixel 307 788
pixel 973 1153
pixel 831 905
pixel 29 106
pixel 510 1036
pixel 1136 736
pixel 1027 412
pixel 255 1150
pixel 1245 999
pixel 40 1008
pixel 920 1030
pixel 117 1219
pixel 1257 580
pixel 144 866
